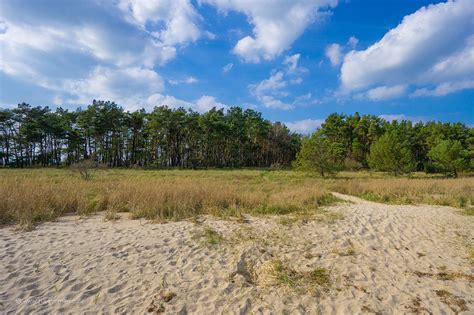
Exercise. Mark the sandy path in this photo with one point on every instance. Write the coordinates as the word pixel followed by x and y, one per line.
pixel 381 258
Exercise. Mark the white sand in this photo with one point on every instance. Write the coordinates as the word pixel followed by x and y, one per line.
pixel 131 266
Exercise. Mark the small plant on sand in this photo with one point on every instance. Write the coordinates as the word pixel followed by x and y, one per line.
pixel 280 274
pixel 349 251
pixel 416 306
pixel 320 276
pixel 470 254
pixel 276 273
pixel 286 221
pixel 209 236
pixel 111 215
pixel 167 295
pixel 455 303
pixel 97 296
pixel 304 217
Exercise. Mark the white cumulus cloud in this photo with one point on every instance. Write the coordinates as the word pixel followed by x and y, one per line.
pixel 270 92
pixel 202 104
pixel 83 50
pixel 432 47
pixel 180 18
pixel 274 82
pixel 276 25
pixel 130 87
pixel 382 93
pixel 267 90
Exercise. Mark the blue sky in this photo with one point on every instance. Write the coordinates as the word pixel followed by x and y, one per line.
pixel 296 61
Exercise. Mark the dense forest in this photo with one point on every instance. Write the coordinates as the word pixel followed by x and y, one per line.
pixel 362 142
pixel 166 137
pixel 104 132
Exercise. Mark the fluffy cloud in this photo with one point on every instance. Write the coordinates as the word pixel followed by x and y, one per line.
pixel 334 54
pixel 133 88
pixel 273 83
pixel 122 75
pixel 35 39
pixel 386 92
pixel 130 87
pixel 432 47
pixel 270 101
pixel 179 17
pixel 206 102
pixel 202 104
pixel 34 44
pixel 31 37
pixel 275 26
pixel 268 91
pixel 305 126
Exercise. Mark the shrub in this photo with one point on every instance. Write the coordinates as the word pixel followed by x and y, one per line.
pixel 317 154
pixel 389 153
pixel 449 157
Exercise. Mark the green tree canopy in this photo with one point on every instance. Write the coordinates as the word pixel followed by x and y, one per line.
pixel 166 137
pixel 233 137
pixel 449 157
pixel 390 153
pixel 318 154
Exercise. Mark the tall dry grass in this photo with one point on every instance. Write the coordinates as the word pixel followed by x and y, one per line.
pixel 31 196
pixel 447 192
pixel 36 195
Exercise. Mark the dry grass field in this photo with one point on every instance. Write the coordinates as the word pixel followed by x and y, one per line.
pixel 31 196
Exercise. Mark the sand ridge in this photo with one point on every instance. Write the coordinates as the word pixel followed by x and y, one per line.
pixel 387 259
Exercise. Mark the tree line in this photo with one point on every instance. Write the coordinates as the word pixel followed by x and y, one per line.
pixel 108 135
pixel 368 142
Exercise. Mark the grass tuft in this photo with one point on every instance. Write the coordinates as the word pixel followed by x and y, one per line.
pixel 455 303
pixel 276 273
pixel 209 236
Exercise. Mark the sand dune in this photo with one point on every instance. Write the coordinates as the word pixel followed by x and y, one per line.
pixel 387 259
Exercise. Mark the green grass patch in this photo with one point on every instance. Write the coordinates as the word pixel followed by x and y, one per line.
pixel 209 236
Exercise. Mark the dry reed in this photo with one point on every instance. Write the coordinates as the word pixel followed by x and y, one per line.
pixel 31 196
